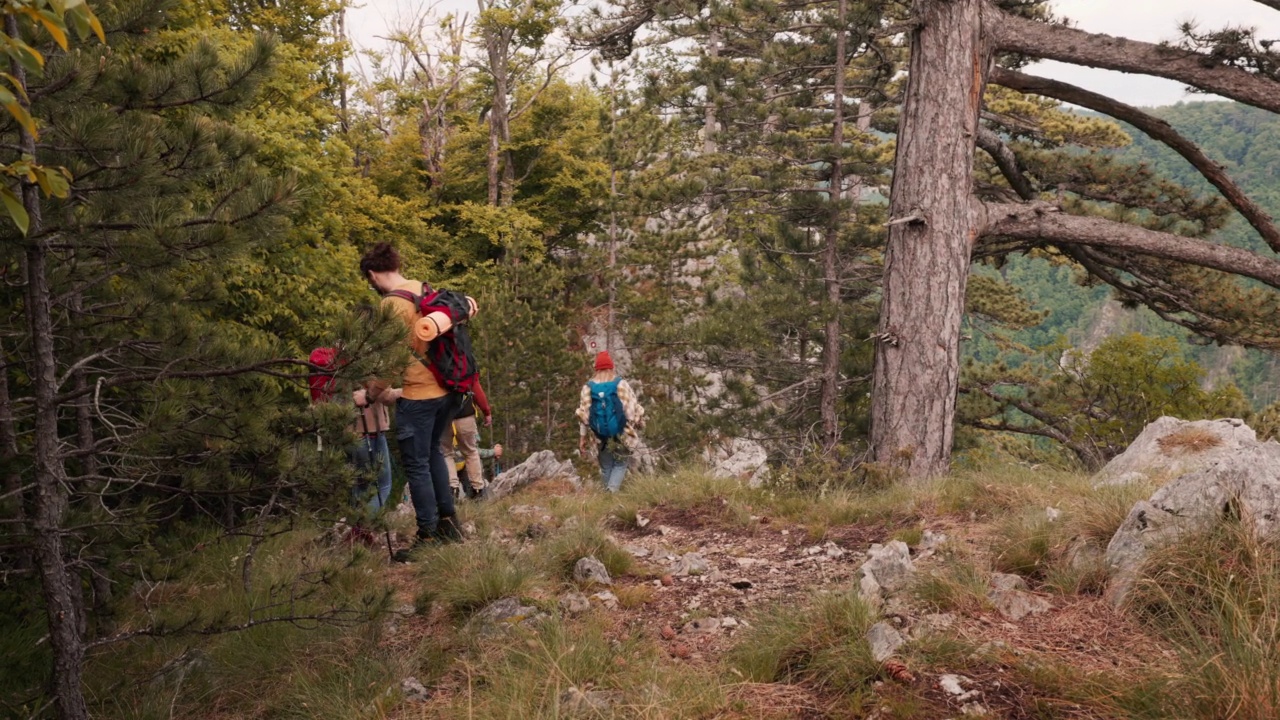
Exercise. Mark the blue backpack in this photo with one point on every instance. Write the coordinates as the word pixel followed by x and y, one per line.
pixel 607 419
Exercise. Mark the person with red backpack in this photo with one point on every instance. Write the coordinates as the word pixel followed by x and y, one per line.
pixel 443 368
pixel 609 409
pixel 369 454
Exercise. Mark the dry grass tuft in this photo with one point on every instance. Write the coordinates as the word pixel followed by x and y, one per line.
pixel 1189 441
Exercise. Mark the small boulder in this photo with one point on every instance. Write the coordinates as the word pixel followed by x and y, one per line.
pixel 506 613
pixel 607 599
pixel 591 703
pixel 690 564
pixel 746 460
pixel 889 565
pixel 414 691
pixel 1245 487
pixel 871 592
pixel 884 640
pixel 539 466
pixel 1017 604
pixel 701 626
pixel 589 570
pixel 574 604
pixel 637 551
pixel 1005 581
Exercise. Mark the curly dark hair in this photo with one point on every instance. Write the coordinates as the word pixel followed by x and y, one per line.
pixel 379 258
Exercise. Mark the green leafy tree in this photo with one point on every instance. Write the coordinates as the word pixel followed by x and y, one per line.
pixel 133 396
pixel 1094 405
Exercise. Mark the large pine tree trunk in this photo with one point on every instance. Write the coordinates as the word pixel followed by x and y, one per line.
pixel 933 226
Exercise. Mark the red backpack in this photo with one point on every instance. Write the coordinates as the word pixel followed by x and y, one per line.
pixel 322 382
pixel 449 356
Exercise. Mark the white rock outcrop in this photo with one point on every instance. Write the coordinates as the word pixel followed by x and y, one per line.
pixel 1244 485
pixel 746 460
pixel 1169 447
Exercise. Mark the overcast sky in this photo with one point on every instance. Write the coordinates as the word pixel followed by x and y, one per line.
pixel 1150 20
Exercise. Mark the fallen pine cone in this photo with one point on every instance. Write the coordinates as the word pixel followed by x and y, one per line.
pixel 899 672
pixel 668 633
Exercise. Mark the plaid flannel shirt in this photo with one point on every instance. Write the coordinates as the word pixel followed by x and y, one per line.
pixel 630 405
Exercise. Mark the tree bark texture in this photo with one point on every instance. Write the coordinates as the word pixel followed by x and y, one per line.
pixel 9 438
pixel 497 46
pixel 933 225
pixel 830 398
pixel 59 585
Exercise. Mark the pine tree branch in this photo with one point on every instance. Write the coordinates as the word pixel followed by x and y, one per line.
pixel 1044 223
pixel 1157 129
pixel 266 367
pixel 1006 161
pixel 1057 42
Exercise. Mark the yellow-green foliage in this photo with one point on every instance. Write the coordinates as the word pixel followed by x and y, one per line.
pixel 1095 405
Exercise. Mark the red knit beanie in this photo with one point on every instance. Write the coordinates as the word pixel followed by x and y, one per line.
pixel 604 361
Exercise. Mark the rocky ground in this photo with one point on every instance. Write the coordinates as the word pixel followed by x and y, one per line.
pixel 704 574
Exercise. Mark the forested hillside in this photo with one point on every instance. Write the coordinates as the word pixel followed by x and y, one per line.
pixel 1247 142
pixel 825 242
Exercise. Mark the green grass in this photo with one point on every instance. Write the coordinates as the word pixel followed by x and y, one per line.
pixel 328 671
pixel 309 668
pixel 562 551
pixel 1216 598
pixel 957 584
pixel 1025 544
pixel 822 643
pixel 466 577
pixel 525 674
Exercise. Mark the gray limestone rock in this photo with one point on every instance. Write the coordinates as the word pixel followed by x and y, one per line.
pixel 690 564
pixel 1017 604
pixel 890 566
pixel 1245 487
pixel 574 604
pixel 414 690
pixel 1170 447
pixel 884 640
pixel 590 570
pixel 540 466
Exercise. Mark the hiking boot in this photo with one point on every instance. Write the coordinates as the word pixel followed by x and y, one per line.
pixel 450 530
pixel 421 540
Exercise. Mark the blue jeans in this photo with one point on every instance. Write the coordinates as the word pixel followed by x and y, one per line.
pixel 419 426
pixel 371 454
pixel 613 467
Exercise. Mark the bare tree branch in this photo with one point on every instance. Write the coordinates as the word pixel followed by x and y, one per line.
pixel 1156 128
pixel 1043 222
pixel 1038 39
pixel 1006 161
